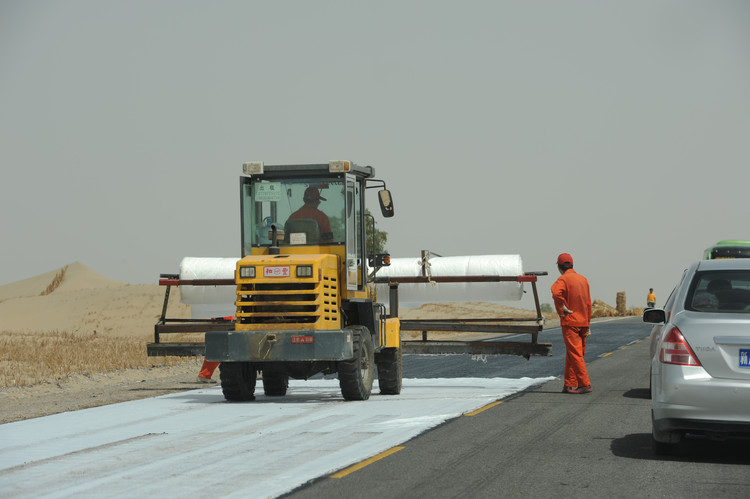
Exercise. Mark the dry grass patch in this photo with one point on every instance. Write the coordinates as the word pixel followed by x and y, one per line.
pixel 59 278
pixel 601 309
pixel 32 358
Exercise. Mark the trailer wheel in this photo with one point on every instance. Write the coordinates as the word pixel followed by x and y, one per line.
pixel 275 384
pixel 238 381
pixel 356 375
pixel 389 371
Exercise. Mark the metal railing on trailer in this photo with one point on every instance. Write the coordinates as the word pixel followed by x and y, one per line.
pixel 503 325
pixel 167 325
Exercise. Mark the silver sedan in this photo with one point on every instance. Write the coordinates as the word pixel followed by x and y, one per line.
pixel 700 365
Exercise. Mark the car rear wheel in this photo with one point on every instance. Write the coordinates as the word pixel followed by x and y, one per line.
pixel 663 449
pixel 663 443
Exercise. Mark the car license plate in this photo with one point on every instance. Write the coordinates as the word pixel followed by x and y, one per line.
pixel 744 357
pixel 278 271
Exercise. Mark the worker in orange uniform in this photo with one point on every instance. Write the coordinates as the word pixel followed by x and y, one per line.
pixel 312 199
pixel 651 298
pixel 207 370
pixel 573 304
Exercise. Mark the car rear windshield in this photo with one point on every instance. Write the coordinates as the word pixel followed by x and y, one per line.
pixel 720 291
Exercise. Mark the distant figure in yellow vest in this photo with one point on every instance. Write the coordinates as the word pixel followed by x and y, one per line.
pixel 651 298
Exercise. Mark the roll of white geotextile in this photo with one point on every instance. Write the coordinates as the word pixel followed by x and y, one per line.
pixel 414 295
pixel 207 302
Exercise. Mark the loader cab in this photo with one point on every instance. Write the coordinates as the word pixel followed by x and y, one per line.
pixel 309 209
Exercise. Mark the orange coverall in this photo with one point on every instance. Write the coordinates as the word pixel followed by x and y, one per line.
pixel 571 290
pixel 208 367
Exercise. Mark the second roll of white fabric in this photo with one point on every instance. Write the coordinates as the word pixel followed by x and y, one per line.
pixel 207 302
pixel 414 295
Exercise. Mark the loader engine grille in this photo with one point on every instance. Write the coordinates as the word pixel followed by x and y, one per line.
pixel 289 303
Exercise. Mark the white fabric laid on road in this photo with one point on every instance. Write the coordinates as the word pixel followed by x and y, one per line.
pixel 194 444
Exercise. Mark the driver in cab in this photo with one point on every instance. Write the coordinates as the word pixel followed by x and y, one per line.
pixel 312 199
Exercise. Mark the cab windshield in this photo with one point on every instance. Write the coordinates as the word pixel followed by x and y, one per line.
pixel 308 211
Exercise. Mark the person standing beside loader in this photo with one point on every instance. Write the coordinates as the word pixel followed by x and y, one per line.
pixel 572 298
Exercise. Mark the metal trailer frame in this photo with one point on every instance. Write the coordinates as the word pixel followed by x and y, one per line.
pixel 504 325
pixel 167 325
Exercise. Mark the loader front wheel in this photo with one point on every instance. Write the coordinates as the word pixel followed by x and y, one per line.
pixel 275 384
pixel 389 371
pixel 238 381
pixel 356 375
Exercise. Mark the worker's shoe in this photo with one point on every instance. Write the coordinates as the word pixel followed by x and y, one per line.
pixel 571 389
pixel 585 389
pixel 201 379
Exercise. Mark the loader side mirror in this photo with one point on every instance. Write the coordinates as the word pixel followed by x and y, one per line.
pixel 386 202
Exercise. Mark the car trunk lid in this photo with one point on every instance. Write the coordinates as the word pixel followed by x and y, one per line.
pixel 721 342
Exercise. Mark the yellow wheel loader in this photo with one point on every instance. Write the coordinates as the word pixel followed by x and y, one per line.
pixel 304 305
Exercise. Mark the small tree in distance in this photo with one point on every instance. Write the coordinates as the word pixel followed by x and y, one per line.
pixel 379 237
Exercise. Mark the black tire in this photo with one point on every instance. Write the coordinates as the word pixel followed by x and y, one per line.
pixel 662 448
pixel 663 443
pixel 275 384
pixel 357 374
pixel 238 381
pixel 390 371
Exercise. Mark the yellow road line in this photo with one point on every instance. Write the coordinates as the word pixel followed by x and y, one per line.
pixel 367 462
pixel 488 406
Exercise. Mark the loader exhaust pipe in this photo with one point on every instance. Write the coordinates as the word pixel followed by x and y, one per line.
pixel 274 249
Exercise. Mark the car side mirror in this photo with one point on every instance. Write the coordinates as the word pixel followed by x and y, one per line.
pixel 386 202
pixel 654 316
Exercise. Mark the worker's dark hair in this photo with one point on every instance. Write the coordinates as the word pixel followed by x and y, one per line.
pixel 565 267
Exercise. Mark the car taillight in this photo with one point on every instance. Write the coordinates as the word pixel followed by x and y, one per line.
pixel 675 350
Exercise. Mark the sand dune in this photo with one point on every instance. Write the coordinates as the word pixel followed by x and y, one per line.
pixel 84 302
pixel 76 276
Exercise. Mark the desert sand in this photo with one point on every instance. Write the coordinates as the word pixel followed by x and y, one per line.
pixel 84 303
pixel 78 301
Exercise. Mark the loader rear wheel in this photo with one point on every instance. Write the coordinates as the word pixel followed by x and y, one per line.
pixel 389 371
pixel 238 381
pixel 275 384
pixel 356 375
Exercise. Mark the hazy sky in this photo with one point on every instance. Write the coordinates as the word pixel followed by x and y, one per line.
pixel 616 131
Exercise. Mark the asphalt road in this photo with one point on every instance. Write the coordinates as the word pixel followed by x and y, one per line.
pixel 606 336
pixel 543 443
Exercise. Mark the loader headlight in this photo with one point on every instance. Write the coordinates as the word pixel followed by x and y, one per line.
pixel 247 272
pixel 304 271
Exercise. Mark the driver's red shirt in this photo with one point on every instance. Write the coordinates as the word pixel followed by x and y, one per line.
pixel 309 211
